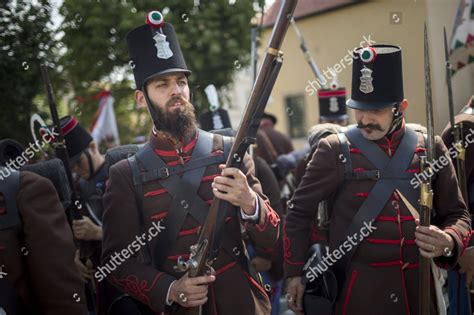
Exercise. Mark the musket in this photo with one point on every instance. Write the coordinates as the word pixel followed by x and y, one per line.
pixel 456 129
pixel 253 52
pixel 426 192
pixel 60 149
pixel 206 250
pixel 307 55
pixel 59 144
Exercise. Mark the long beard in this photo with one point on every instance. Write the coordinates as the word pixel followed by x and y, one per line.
pixel 177 122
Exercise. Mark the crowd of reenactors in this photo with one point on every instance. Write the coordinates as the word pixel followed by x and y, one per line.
pixel 287 206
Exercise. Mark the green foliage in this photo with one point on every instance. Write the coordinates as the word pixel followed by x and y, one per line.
pixel 26 40
pixel 89 51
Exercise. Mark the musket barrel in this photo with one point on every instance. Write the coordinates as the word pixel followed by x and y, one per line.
pixel 260 92
pixel 426 193
pixel 455 128
pixel 308 56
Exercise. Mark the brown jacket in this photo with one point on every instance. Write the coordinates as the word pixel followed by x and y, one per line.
pixel 271 143
pixel 271 189
pixel 41 267
pixel 383 272
pixel 234 291
pixel 468 138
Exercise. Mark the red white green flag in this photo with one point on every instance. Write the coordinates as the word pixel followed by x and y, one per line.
pixel 462 42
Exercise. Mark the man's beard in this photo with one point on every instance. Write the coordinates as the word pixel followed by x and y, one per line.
pixel 176 122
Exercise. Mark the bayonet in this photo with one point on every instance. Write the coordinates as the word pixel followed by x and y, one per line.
pixel 456 129
pixel 322 81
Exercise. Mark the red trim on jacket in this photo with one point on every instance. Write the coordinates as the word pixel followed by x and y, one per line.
pixel 403 265
pixel 252 280
pixel 466 241
pixel 391 144
pixel 190 231
pixel 155 192
pixel 355 150
pixel 395 219
pixel 270 216
pixel 349 291
pixel 175 257
pixel 185 150
pixel 225 268
pixel 390 242
pixel 286 249
pixel 404 285
pixel 159 216
pixel 314 236
pixel 137 288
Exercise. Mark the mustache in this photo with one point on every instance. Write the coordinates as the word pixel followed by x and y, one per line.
pixel 369 126
pixel 176 98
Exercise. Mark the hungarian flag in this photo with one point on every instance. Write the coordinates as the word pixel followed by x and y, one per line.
pixel 462 43
pixel 104 124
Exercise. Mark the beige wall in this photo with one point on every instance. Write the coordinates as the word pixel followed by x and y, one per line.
pixel 330 35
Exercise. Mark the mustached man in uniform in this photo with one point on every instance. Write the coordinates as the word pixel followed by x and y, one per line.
pixel 374 241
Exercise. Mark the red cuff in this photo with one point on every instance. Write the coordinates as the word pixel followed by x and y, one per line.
pixel 270 216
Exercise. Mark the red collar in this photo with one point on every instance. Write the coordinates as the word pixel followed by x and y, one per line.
pixel 164 145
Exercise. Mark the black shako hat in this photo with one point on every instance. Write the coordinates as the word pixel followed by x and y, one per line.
pixel 332 103
pixel 377 79
pixel 9 150
pixel 76 137
pixel 154 50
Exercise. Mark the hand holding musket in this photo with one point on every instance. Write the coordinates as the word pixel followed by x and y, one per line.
pixel 205 251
